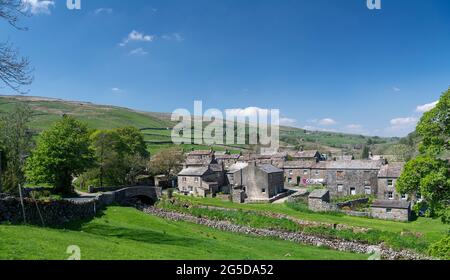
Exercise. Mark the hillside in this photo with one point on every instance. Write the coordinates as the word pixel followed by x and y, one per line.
pixel 127 234
pixel 156 126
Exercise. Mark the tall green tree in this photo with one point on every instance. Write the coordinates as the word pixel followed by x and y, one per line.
pixel 63 151
pixel 121 156
pixel 16 143
pixel 429 173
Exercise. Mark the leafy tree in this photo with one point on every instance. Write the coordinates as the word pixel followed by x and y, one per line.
pixel 106 144
pixel 63 151
pixel 121 157
pixel 365 152
pixel 434 128
pixel 429 173
pixel 16 143
pixel 167 162
pixel 133 142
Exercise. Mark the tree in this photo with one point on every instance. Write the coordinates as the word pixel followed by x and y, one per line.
pixel 429 173
pixel 63 151
pixel 365 152
pixel 167 162
pixel 133 142
pixel 106 145
pixel 15 72
pixel 121 156
pixel 16 143
pixel 434 128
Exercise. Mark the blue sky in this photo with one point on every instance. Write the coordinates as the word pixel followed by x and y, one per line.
pixel 326 64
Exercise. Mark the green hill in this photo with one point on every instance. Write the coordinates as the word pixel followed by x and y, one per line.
pixel 127 234
pixel 156 127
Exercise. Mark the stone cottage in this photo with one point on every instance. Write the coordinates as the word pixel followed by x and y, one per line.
pixel 396 210
pixel 198 181
pixel 298 173
pixel 255 182
pixel 387 180
pixel 310 155
pixel 356 177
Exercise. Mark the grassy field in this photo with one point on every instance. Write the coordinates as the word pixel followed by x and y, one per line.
pixel 47 111
pixel 431 230
pixel 127 234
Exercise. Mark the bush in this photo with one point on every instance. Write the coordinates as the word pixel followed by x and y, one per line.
pixel 441 249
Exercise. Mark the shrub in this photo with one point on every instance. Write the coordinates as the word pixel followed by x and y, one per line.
pixel 441 249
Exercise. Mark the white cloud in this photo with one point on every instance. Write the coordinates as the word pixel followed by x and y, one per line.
pixel 37 6
pixel 138 51
pixel 354 126
pixel 103 11
pixel 396 89
pixel 402 122
pixel 136 36
pixel 426 107
pixel 287 122
pixel 174 36
pixel 327 121
pixel 116 90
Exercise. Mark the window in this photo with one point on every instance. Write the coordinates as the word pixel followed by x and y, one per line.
pixel 390 195
pixel 305 172
pixel 183 179
pixel 404 197
pixel 196 179
pixel 390 183
pixel 317 173
pixel 340 188
pixel 290 172
pixel 368 190
pixel 190 189
pixel 388 210
pixel 289 180
pixel 352 191
pixel 263 190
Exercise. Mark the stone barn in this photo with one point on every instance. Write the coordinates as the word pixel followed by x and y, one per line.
pixel 391 210
pixel 319 201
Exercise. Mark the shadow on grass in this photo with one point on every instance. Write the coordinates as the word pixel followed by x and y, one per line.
pixel 134 234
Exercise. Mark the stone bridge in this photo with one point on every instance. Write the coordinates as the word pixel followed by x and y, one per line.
pixel 147 194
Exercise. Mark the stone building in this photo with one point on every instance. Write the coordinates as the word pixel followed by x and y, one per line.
pixel 198 181
pixel 255 182
pixel 356 177
pixel 298 173
pixel 396 210
pixel 199 158
pixel 319 201
pixel 387 180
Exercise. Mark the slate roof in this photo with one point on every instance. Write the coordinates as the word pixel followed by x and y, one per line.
pixel 306 154
pixel 396 204
pixel 319 193
pixel 301 164
pixel 194 171
pixel 226 156
pixel 200 153
pixel 237 166
pixel 392 170
pixel 268 168
pixel 353 164
pixel 216 167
